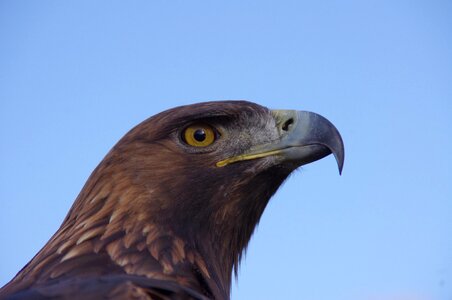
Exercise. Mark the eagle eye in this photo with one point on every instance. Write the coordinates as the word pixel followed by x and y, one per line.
pixel 199 135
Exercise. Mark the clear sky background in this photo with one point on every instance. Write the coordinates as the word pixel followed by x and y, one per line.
pixel 75 76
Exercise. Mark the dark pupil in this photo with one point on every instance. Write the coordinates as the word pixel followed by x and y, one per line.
pixel 199 135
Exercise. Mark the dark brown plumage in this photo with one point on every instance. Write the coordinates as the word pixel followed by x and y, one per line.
pixel 168 212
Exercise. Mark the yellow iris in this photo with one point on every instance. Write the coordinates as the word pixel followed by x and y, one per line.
pixel 199 135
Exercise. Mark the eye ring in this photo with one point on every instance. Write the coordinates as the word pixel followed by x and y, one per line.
pixel 199 135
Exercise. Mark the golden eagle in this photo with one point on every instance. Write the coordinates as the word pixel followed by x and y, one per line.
pixel 170 209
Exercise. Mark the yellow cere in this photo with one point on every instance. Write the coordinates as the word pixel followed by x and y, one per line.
pixel 249 156
pixel 199 135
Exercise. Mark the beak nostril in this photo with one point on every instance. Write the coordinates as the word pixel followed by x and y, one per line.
pixel 287 125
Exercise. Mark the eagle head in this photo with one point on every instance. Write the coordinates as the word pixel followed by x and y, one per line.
pixel 178 197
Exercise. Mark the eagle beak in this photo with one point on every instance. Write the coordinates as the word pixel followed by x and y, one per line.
pixel 305 137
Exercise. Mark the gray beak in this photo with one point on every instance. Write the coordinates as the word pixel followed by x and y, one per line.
pixel 307 137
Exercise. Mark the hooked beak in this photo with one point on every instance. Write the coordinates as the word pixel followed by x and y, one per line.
pixel 305 137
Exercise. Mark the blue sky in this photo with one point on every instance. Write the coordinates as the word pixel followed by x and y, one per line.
pixel 77 75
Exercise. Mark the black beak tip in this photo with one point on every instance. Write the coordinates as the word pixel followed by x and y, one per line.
pixel 340 166
pixel 340 156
